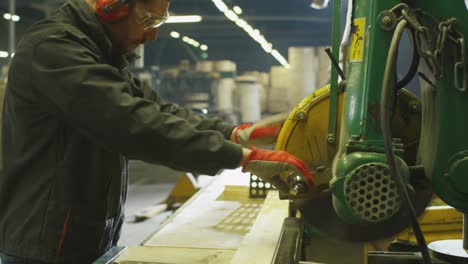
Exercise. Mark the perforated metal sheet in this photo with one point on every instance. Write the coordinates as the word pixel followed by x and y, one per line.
pixel 258 188
pixel 372 193
pixel 241 220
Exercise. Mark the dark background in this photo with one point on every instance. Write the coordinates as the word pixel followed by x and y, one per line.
pixel 284 23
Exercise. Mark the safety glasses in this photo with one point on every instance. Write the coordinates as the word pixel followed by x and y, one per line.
pixel 150 20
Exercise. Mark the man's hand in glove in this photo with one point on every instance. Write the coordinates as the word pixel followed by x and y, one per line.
pixel 269 165
pixel 262 133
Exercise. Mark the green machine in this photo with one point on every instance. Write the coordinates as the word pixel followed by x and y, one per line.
pixel 366 139
pixel 391 151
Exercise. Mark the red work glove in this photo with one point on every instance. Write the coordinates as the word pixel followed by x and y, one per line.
pixel 280 169
pixel 262 133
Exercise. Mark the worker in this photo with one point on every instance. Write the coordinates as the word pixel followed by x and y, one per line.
pixel 74 115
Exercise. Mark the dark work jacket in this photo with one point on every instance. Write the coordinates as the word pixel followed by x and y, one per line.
pixel 72 113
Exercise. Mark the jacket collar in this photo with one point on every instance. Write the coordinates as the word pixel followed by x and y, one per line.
pixel 78 14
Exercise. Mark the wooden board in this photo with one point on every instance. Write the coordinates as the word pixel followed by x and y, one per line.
pixel 259 245
pixel 221 225
pixel 197 224
pixel 165 255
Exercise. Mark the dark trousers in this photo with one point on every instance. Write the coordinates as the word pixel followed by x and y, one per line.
pixel 7 259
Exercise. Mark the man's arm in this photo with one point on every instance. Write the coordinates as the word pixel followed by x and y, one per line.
pixel 74 86
pixel 270 166
pixel 200 122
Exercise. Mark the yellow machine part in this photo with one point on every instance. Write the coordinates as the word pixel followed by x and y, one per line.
pixel 437 223
pixel 304 134
pixel 185 188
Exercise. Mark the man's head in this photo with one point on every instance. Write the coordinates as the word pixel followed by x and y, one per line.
pixel 130 22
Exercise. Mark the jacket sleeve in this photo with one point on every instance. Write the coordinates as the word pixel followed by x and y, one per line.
pixel 201 122
pixel 72 84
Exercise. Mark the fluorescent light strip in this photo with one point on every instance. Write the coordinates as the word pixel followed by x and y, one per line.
pixel 280 58
pixel 4 54
pixel 184 19
pixel 188 40
pixel 8 16
pixel 237 10
pixel 175 34
pixel 231 15
pixel 255 34
pixel 222 7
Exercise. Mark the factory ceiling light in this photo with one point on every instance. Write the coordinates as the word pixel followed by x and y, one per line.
pixel 8 16
pixel 3 54
pixel 175 34
pixel 188 40
pixel 253 33
pixel 237 10
pixel 220 5
pixel 231 15
pixel 184 19
pixel 279 58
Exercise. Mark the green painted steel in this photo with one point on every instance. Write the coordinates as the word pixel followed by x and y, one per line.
pixel 347 169
pixel 332 117
pixel 360 128
pixel 363 92
pixel 440 29
pixel 444 138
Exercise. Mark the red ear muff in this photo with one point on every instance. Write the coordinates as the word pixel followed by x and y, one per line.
pixel 112 10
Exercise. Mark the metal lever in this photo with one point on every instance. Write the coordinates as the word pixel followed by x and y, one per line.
pixel 335 63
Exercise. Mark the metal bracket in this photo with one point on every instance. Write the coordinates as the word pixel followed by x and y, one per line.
pixel 459 69
pixel 333 115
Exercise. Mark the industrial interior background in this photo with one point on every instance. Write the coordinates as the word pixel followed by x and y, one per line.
pixel 285 24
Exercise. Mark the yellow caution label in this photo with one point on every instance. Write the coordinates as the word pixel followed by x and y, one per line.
pixel 357 45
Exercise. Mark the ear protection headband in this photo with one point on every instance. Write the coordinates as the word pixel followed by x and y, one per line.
pixel 112 10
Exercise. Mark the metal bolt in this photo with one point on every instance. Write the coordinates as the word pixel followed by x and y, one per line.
pixel 331 139
pixel 414 107
pixel 387 21
pixel 301 115
pixel 297 184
